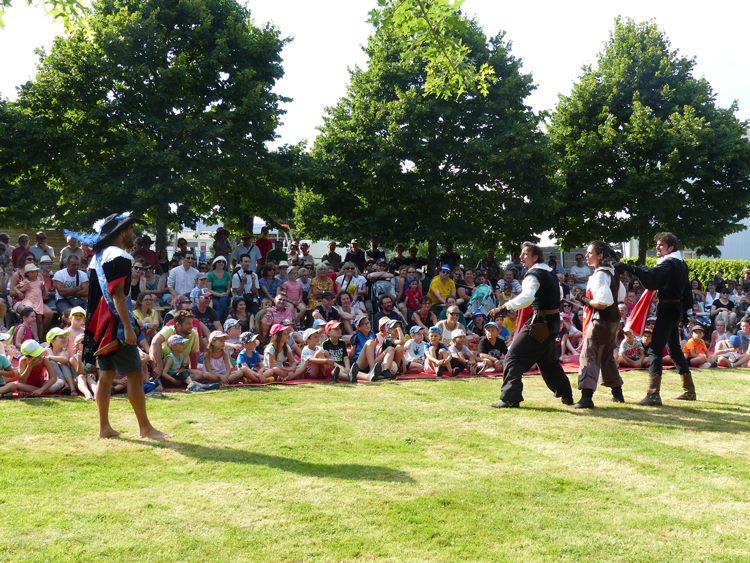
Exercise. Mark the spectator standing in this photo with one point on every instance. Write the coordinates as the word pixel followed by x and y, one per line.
pixel 219 280
pixel 489 266
pixel 333 258
pixel 398 260
pixel 71 286
pixel 414 260
pixel 181 250
pixel 305 258
pixel 580 272
pixel 5 240
pixel 73 248
pixel 251 249
pixel 181 279
pixel 356 255
pixel 41 248
pixel 221 246
pixel 23 246
pixel 245 284
pixel 375 253
pixel 450 257
pixel 264 244
pixel 277 255
pixel 144 252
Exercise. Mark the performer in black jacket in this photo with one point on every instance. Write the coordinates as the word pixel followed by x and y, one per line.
pixel 535 343
pixel 670 279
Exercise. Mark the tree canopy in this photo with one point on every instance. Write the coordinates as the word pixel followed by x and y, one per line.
pixel 643 148
pixel 394 160
pixel 67 10
pixel 164 107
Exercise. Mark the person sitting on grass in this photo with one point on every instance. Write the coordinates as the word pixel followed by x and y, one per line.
pixel 25 330
pixel 492 347
pixel 728 353
pixel 366 365
pixel 570 341
pixel 85 376
pixel 326 311
pixel 696 351
pixel 463 359
pixel 217 367
pixel 232 344
pixel 278 358
pixel 7 370
pixel 632 352
pixel 437 357
pixel 415 350
pixel 318 363
pixel 35 371
pixel 77 316
pixel 250 362
pixel 718 335
pixel 177 370
pixel 59 360
pixel 336 348
pixel 390 345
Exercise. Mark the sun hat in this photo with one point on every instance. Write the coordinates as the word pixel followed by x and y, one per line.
pixel 31 348
pixel 218 259
pixel 283 264
pixel 330 325
pixel 230 324
pixel 176 339
pixel 46 258
pixel 278 327
pixel 308 333
pixel 457 334
pixel 216 334
pixel 434 330
pixel 105 230
pixel 415 329
pixel 30 268
pixel 77 310
pixel 382 321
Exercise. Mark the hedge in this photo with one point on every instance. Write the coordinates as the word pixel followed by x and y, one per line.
pixel 705 268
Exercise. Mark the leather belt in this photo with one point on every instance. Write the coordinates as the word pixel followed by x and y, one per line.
pixel 549 311
pixel 670 300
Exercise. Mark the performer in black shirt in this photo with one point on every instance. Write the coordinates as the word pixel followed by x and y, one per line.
pixel 535 343
pixel 670 278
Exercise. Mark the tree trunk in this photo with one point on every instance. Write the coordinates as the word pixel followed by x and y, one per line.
pixel 160 225
pixel 431 256
pixel 642 240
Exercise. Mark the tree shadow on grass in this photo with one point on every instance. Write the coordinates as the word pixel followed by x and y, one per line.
pixel 701 420
pixel 349 471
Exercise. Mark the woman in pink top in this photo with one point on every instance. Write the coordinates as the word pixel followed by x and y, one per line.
pixel 295 293
pixel 33 293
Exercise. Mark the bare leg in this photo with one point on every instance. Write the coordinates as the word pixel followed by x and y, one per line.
pixel 84 388
pixel 137 399
pixel 103 395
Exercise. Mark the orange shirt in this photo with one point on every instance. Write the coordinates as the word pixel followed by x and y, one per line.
pixel 695 347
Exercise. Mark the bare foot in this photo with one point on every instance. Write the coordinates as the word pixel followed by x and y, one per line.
pixel 154 434
pixel 108 433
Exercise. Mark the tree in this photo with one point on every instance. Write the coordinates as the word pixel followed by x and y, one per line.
pixel 644 148
pixel 395 161
pixel 67 10
pixel 163 107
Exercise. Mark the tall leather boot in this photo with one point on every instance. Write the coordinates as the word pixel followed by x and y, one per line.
pixel 652 398
pixel 688 387
pixel 617 396
pixel 586 401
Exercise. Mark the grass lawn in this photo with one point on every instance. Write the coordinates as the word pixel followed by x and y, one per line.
pixel 417 470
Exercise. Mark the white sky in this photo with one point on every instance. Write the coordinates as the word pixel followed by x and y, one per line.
pixel 553 39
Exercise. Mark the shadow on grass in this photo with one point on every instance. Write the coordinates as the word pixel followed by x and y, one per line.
pixel 701 420
pixel 349 471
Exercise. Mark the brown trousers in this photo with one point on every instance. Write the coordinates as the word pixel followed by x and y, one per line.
pixel 597 356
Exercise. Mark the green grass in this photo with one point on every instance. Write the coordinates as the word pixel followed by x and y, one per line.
pixel 419 470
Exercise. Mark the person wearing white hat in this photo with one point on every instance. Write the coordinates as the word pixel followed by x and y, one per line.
pixel 33 293
pixel 318 362
pixel 217 367
pixel 462 358
pixel 219 282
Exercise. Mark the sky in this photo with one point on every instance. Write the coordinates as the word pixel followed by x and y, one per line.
pixel 553 39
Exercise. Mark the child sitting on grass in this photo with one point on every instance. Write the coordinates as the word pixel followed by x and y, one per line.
pixel 318 363
pixel 176 367
pixel 217 367
pixel 77 316
pixel 729 352
pixel 34 370
pixel 632 351
pixel 250 362
pixel 462 358
pixel 85 378
pixel 232 344
pixel 336 349
pixel 696 351
pixel 437 357
pixel 59 361
pixel 415 350
pixel 492 347
pixel 278 358
pixel 7 370
pixel 570 340
pixel 390 347
pixel 366 365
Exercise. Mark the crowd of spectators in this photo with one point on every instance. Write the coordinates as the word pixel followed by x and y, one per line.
pixel 258 311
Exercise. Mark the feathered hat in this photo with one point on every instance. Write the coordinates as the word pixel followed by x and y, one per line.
pixel 105 230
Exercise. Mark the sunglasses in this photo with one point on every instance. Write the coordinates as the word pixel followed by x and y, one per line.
pixel 453 314
pixel 137 268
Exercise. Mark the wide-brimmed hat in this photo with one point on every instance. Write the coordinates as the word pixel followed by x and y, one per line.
pixel 218 259
pixel 30 268
pixel 105 230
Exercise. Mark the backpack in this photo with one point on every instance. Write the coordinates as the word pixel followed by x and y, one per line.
pixel 481 299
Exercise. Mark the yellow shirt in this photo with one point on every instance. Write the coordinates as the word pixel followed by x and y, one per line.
pixel 510 324
pixel 445 288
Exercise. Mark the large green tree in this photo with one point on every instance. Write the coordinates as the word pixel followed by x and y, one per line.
pixel 644 148
pixel 394 160
pixel 164 107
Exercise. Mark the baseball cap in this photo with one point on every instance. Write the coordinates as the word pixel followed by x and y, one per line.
pixel 415 329
pixel 359 319
pixel 445 267
pixel 698 328
pixel 31 348
pixel 216 334
pixel 434 330
pixel 735 340
pixel 283 264
pixel 330 325
pixel 278 327
pixel 318 323
pixel 230 324
pixel 77 311
pixel 392 323
pixel 55 332
pixel 205 292
pixel 176 339
pixel 246 337
pixel 457 333
pixel 326 295
pixel 308 333
pixel 491 324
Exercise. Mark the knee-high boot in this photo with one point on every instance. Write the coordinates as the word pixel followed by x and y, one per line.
pixel 652 398
pixel 688 388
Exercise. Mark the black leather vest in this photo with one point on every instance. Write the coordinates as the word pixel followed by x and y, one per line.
pixel 548 294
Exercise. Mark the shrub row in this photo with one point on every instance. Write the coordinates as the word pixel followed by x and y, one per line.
pixel 705 268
